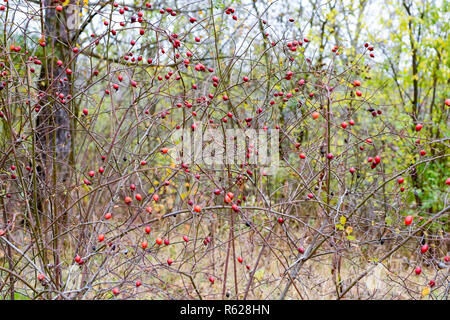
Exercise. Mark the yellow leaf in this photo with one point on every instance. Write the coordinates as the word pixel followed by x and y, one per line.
pixel 426 291
pixel 259 274
pixel 342 220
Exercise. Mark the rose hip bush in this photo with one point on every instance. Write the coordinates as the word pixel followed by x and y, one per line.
pixel 97 202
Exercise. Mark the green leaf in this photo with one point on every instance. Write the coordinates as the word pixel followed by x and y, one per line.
pixel 388 221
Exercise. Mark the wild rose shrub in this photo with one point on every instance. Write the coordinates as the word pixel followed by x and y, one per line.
pixel 97 203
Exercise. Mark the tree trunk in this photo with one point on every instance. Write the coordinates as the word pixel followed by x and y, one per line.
pixel 53 127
